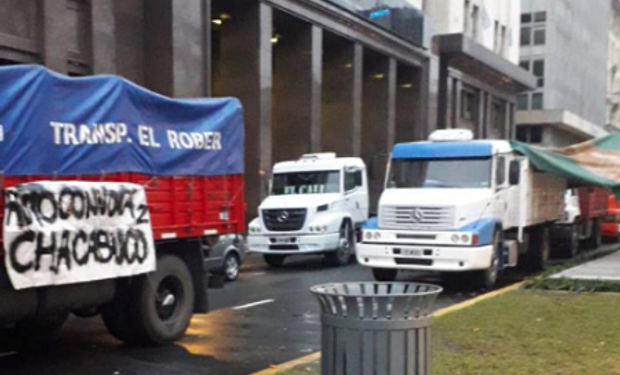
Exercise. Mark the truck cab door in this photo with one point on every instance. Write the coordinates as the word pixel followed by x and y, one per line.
pixel 502 190
pixel 356 194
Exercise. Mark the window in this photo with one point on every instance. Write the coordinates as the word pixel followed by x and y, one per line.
pixel 526 18
pixel 530 134
pixel 352 180
pixel 523 102
pixel 538 68
pixel 536 134
pixel 539 37
pixel 502 46
pixel 500 172
pixel 306 183
pixel 474 22
pixel 466 17
pixel 540 17
pixel 537 101
pixel 464 173
pixel 496 34
pixel 468 105
pixel 526 36
pixel 525 65
pixel 533 35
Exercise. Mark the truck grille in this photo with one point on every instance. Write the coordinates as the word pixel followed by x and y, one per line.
pixel 417 218
pixel 288 220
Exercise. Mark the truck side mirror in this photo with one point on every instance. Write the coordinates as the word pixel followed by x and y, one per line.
pixel 514 174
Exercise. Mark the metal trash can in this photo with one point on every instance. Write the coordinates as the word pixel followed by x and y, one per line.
pixel 376 328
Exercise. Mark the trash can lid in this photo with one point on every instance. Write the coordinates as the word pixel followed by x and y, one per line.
pixel 385 301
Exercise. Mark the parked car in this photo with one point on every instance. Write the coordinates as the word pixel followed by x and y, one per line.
pixel 317 205
pixel 226 256
pixel 611 223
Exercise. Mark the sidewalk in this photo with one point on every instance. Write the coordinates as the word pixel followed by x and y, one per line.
pixel 603 269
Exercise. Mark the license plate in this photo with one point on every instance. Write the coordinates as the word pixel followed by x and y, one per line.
pixel 413 252
pixel 283 240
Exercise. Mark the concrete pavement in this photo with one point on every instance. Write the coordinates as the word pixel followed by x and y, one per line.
pixel 606 268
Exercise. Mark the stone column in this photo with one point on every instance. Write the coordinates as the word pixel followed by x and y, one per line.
pixel 103 43
pixel 54 34
pixel 245 69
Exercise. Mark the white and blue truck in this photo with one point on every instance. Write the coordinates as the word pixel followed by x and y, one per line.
pixel 454 204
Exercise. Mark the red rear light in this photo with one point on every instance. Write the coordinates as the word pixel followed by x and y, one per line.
pixel 475 239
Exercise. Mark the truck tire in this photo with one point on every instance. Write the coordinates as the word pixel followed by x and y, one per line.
pixel 164 302
pixel 570 247
pixel 595 240
pixel 539 248
pixel 274 261
pixel 385 274
pixel 487 279
pixel 116 314
pixel 346 247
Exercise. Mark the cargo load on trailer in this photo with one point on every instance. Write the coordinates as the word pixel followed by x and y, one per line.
pixel 115 200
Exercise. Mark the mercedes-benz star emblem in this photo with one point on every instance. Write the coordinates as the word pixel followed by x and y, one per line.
pixel 417 215
pixel 282 217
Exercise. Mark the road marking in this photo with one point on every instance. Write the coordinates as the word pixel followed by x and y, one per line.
pixel 275 369
pixel 253 304
pixel 7 354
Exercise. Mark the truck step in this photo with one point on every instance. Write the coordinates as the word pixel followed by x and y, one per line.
pixel 511 253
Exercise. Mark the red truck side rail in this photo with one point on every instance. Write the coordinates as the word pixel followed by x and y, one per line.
pixel 180 207
pixel 593 202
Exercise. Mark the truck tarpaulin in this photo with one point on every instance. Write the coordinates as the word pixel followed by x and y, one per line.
pixel 51 124
pixel 594 162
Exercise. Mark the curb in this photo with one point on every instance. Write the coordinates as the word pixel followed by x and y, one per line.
pixel 459 306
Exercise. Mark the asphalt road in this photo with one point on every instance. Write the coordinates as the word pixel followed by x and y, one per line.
pixel 266 317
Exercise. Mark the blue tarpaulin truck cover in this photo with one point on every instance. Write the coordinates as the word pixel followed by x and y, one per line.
pixel 53 124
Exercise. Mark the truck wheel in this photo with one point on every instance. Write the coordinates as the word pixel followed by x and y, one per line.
pixel 384 274
pixel 274 261
pixel 231 267
pixel 570 248
pixel 539 248
pixel 596 240
pixel 165 302
pixel 116 314
pixel 346 247
pixel 488 278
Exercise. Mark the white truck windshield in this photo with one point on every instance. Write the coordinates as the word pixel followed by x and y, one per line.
pixel 306 183
pixel 440 173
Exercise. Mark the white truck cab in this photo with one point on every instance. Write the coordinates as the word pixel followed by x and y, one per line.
pixel 454 204
pixel 316 205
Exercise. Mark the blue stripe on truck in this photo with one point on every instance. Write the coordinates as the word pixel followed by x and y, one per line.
pixel 484 228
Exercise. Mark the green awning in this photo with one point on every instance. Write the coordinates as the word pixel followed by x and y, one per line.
pixel 595 162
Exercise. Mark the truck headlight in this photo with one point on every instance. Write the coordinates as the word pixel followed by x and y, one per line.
pixel 368 235
pixel 455 238
pixel 465 238
pixel 377 235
